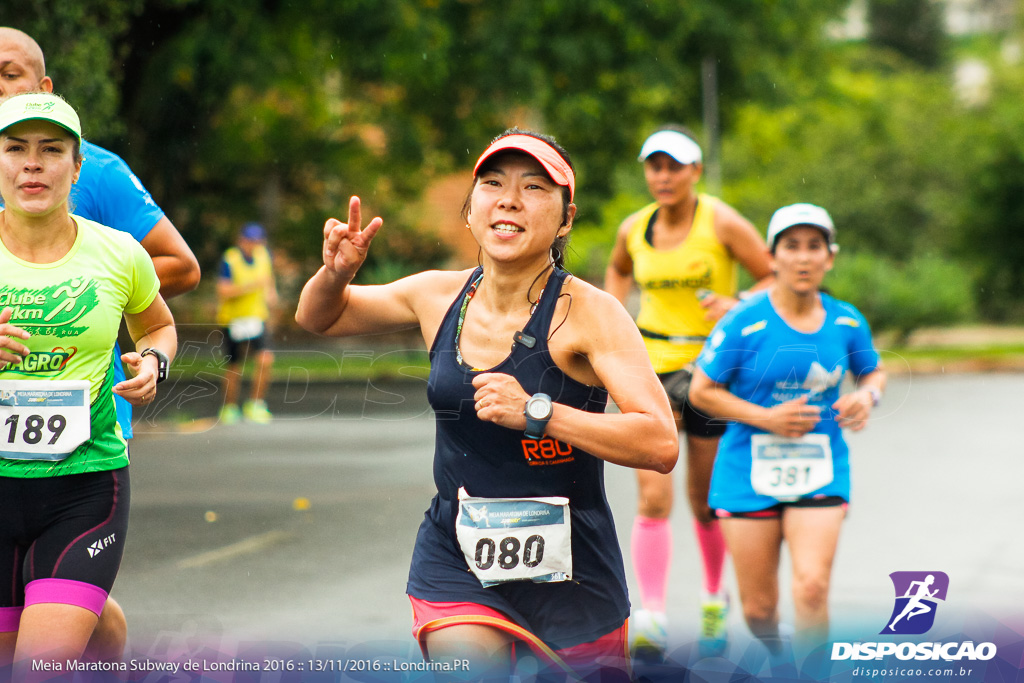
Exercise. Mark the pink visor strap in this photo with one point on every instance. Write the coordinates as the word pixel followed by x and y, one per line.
pixel 557 167
pixel 66 592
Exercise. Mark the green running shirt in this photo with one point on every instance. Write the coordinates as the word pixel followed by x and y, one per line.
pixel 73 308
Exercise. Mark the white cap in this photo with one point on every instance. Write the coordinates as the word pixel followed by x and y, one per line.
pixel 673 143
pixel 800 214
pixel 40 106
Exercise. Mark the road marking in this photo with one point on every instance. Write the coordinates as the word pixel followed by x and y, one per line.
pixel 243 547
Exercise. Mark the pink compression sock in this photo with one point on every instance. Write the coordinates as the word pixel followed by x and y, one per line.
pixel 712 551
pixel 651 548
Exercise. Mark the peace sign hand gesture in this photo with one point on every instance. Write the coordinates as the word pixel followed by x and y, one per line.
pixel 345 244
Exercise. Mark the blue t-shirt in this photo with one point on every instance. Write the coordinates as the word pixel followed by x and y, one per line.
pixel 761 359
pixel 108 193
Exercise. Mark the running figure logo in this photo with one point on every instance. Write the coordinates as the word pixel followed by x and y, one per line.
pixel 479 514
pixel 917 595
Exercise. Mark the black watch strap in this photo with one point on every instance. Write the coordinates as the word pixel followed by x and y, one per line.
pixel 535 425
pixel 163 362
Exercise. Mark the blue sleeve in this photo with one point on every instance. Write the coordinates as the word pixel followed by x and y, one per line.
pixel 109 193
pixel 225 269
pixel 864 356
pixel 724 354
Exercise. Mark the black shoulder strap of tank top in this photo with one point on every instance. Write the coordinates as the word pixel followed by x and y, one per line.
pixel 649 232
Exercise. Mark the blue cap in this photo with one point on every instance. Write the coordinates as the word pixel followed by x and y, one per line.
pixel 253 231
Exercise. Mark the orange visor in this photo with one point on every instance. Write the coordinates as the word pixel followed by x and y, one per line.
pixel 557 167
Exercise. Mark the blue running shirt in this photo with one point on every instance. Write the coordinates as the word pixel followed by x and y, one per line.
pixel 761 359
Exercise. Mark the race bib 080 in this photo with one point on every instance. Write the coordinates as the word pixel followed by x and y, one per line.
pixel 45 420
pixel 787 469
pixel 515 539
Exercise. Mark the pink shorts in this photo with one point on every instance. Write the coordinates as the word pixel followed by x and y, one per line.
pixel 610 652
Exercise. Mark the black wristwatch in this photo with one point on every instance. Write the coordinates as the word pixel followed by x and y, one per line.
pixel 163 363
pixel 538 412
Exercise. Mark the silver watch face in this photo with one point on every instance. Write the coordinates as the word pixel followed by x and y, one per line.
pixel 537 408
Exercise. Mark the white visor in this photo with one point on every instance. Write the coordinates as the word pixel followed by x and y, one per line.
pixel 676 145
pixel 800 214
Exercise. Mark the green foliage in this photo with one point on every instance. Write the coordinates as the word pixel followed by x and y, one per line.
pixel 875 150
pixel 926 290
pixel 267 125
pixel 911 28
pixel 79 41
pixel 279 111
pixel 592 240
pixel 282 110
pixel 992 212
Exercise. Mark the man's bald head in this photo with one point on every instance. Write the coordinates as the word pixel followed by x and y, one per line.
pixel 19 53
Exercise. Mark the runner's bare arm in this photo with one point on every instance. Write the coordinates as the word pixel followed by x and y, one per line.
pixel 854 408
pixel 226 289
pixel 792 418
pixel 643 435
pixel 745 243
pixel 175 264
pixel 747 246
pixel 618 276
pixel 152 327
pixel 329 305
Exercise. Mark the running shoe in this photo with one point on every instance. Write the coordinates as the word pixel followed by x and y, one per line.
pixel 256 411
pixel 650 639
pixel 229 414
pixel 714 633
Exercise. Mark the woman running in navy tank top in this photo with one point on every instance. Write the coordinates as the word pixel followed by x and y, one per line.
pixel 517 554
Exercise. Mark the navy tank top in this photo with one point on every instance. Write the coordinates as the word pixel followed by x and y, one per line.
pixel 494 462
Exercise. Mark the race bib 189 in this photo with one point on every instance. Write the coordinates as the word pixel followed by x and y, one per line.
pixel 787 469
pixel 515 539
pixel 43 420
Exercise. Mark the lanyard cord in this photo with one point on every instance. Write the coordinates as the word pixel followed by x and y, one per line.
pixel 470 293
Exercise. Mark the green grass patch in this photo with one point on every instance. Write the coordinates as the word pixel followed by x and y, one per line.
pixel 357 366
pixel 331 366
pixel 960 353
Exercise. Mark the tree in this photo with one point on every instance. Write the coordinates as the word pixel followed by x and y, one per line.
pixel 80 41
pixel 911 28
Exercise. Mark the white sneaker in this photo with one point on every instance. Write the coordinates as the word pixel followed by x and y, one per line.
pixel 650 637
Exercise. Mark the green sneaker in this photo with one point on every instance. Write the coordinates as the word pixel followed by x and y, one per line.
pixel 714 634
pixel 229 414
pixel 650 638
pixel 256 411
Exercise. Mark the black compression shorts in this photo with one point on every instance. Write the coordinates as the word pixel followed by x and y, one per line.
pixel 695 422
pixel 238 351
pixel 61 540
pixel 775 511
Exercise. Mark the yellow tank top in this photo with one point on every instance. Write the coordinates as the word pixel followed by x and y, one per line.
pixel 243 272
pixel 669 280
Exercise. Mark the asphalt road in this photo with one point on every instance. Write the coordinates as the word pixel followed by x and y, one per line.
pixel 301 531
